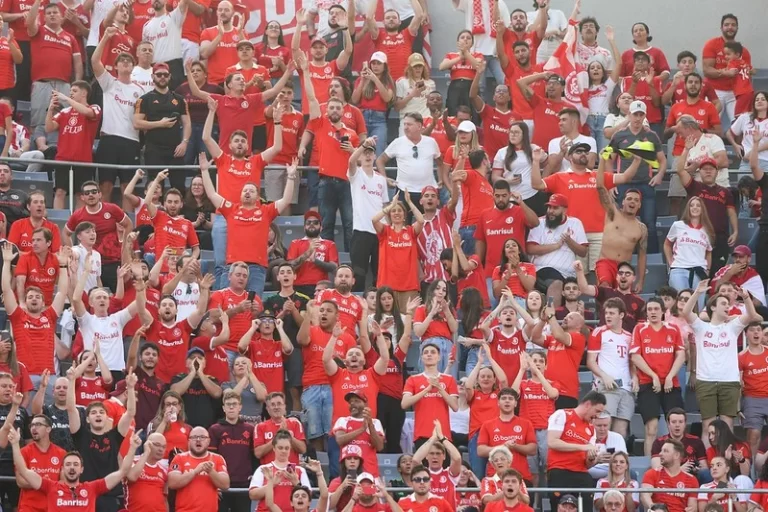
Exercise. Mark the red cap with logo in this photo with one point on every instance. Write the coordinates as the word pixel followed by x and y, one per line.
pixel 558 200
pixel 708 161
pixel 351 450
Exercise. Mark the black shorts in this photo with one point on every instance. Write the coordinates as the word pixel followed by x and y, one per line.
pixel 259 138
pixel 120 151
pixel 568 479
pixel 9 494
pixel 566 402
pixel 60 177
pixel 545 277
pixel 649 403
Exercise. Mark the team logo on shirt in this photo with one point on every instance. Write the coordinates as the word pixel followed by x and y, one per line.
pixel 277 353
pixel 84 493
pixel 443 479
pixel 54 460
pixel 51 271
pixel 61 493
pixel 669 339
pixel 107 215
pixel 509 220
pixel 432 509
pixel 363 378
pixel 517 429
pixel 72 121
pixel 244 104
pixel 14 196
pixel 701 111
pixel 327 70
pixel 162 24
pixel 177 332
pixel 151 11
pixel 114 326
pixel 680 485
pixel 406 237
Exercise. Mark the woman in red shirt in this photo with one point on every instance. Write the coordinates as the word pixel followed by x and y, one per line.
pixel 482 385
pixel 90 386
pixel 514 272
pixel 471 336
pixel 374 92
pixel 10 57
pixel 170 421
pixel 398 258
pixel 10 364
pixel 463 65
pixel 271 52
pixel 724 443
pixel 435 322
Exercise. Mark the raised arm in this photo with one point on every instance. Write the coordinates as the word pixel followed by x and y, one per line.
pixel 606 199
pixel 34 480
pixel 9 297
pixel 210 189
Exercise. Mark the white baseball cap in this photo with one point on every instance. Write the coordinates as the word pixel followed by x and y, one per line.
pixel 637 106
pixel 467 127
pixel 378 56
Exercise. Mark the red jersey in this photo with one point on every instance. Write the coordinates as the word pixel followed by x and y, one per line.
pixel 546 118
pixel 351 116
pixel 531 37
pixel 437 328
pixel 21 234
pixel 234 173
pixel 265 53
pixel 512 73
pixel 147 494
pixel 563 361
pixel 754 373
pixel 643 93
pixel 760 499
pixel 293 128
pixel 347 424
pixel 216 362
pixel 47 464
pixel 76 134
pixel 476 196
pixel 657 348
pixel 397 259
pixel 495 227
pixel 581 189
pixel 535 404
pixel 463 70
pixel 175 232
pixel 105 218
pixel 431 406
pixel 391 383
pixel 482 408
pixel 496 432
pixel 143 218
pixel 239 323
pixel 375 102
pixel 350 309
pixel 506 351
pixel 63 498
pixel 22 380
pixel 321 77
pixel 514 283
pixel 19 25
pixel 573 429
pixel 41 274
pixel 661 479
pixel 702 111
pixel 35 339
pixel 7 66
pixel 173 341
pixel 433 503
pixel 707 93
pixel 52 58
pixel 142 13
pixel 438 132
pixel 501 506
pixel 225 54
pixel 450 159
pixel 314 371
pixel 434 237
pixel 715 49
pixel 264 432
pixel 193 24
pixel 267 358
pixel 250 224
pixel 603 483
pixel 89 390
pixel 344 381
pixel 738 447
pixel 332 159
pixel 658 60
pixel 200 493
pixel 153 303
pixel 742 82
pixel 237 113
pixel 474 279
pixel 248 74
pixel 496 128
pixel 397 47
pixel 444 485
pixel 121 42
pixel 309 273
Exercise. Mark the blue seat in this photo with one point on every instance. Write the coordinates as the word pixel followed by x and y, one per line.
pixel 747 229
pixel 54 214
pixel 29 176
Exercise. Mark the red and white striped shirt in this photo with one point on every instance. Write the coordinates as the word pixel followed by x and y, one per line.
pixel 434 237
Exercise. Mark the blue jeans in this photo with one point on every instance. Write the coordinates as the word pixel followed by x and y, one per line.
pixel 196 146
pixel 313 179
pixel 596 123
pixel 376 124
pixel 334 195
pixel 647 213
pixel 468 239
pixel 472 355
pixel 679 280
pixel 478 463
pixel 219 238
pixel 318 403
pixel 334 454
pixel 445 345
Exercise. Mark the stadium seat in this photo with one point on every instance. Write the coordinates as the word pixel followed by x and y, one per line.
pixel 26 176
pixel 747 229
pixel 44 186
pixel 54 215
pixel 655 276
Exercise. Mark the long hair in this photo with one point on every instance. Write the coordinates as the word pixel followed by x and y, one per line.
pixel 191 203
pixel 431 293
pixel 265 39
pixel 347 90
pixel 525 143
pixel 705 222
pixel 504 260
pixel 626 476
pixel 379 313
pixel 674 309
pixel 13 362
pixel 753 114
pixel 724 437
pixel 543 300
pixel 605 73
pixel 409 74
pixel 279 247
pixel 369 90
pixel 473 145
pixel 181 417
pixel 470 309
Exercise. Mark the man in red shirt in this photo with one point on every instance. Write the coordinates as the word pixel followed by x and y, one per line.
pixel 435 236
pixel 546 109
pixel 42 457
pixel 517 64
pixel 312 257
pixel 361 428
pixel 21 230
pixel 39 267
pixel 198 475
pixel 516 31
pixel 753 364
pixel 435 450
pixel 219 44
pixel 350 307
pixel 670 475
pixel 145 483
pixel 570 452
pixel 171 228
pixel 76 126
pixel 695 458
pixel 645 86
pixel 514 432
pixel 511 481
pixel 265 431
pixel 496 119
pixel 396 43
pixel 292 124
pixel 676 90
pixel 422 499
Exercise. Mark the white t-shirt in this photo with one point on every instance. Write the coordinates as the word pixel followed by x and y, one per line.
pixel 257 480
pixel 100 10
pixel 689 245
pixel 554 148
pixel 187 296
pixel 369 193
pixel 404 8
pixel 484 43
pixel 612 120
pixel 109 329
pixel 612 354
pixel 615 441
pixel 322 8
pixel 119 102
pixel 557 21
pixel 165 33
pixel 93 279
pixel 708 145
pixel 717 356
pixel 519 167
pixel 746 127
pixel 459 420
pixel 418 104
pixel 143 78
pixel 600 97
pixel 413 174
pixel 563 258
pixel 588 54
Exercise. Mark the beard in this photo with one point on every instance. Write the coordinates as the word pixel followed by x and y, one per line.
pixel 694 94
pixel 553 223
pixel 343 288
pixel 312 232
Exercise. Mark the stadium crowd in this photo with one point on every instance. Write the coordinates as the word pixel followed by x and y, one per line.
pixel 487 323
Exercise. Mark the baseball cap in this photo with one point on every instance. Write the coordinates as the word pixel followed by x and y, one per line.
pixel 351 450
pixel 568 499
pixel 311 214
pixel 160 65
pixel 558 200
pixel 429 188
pixel 557 78
pixel 708 161
pixel 378 56
pixel 195 350
pixel 319 40
pixel 739 250
pixel 120 388
pixel 362 477
pixel 355 394
pixel 416 59
pixel 244 42
pixel 267 313
pixel 637 106
pixel 467 127
pixel 581 145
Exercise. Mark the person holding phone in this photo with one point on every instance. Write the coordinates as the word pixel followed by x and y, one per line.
pixel 281 476
pixel 607 442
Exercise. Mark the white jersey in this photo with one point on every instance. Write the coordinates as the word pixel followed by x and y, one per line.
pixel 119 102
pixel 165 33
pixel 368 197
pixel 690 245
pixel 554 148
pixel 717 352
pixel 612 351
pixel 109 330
pixel 745 127
pixel 563 258
pixel 100 10
pixel 521 167
pixel 143 78
pixel 187 296
pixel 93 279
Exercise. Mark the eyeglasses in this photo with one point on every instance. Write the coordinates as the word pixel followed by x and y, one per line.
pixel 421 479
pixel 90 192
pixel 198 438
pixel 415 152
pixel 37 424
pixel 273 27
pixel 615 504
pixel 580 151
pixel 162 75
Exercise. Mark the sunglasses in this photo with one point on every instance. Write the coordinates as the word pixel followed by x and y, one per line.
pixel 421 479
pixel 91 192
pixel 312 221
pixel 580 152
pixel 415 152
pixel 162 75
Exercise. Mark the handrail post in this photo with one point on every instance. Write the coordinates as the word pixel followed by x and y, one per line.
pixel 71 189
pixel 730 502
pixel 581 503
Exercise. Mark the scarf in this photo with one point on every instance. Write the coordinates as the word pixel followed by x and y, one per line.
pixel 478 26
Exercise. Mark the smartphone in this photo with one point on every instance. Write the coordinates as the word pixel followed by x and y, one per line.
pixel 4 33
pixel 251 295
pixel 550 302
pixel 352 473
pixel 722 485
pixel 291 468
pixel 344 138
pixel 420 84
pixel 611 450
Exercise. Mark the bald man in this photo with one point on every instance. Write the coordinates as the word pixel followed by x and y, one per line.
pixel 57 411
pixel 148 469
pixel 207 469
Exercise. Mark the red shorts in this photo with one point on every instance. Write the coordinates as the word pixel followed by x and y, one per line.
pixel 744 103
pixel 606 271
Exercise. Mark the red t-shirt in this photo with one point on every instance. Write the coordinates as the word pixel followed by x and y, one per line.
pixel 314 371
pixel 563 363
pixel 375 102
pixel 350 310
pixel 216 362
pixel 267 358
pixel 500 506
pixel 293 128
pixel 483 407
pixel 658 60
pixel 47 464
pixel 475 279
pixel 234 173
pixel 347 424
pixel 532 38
pixel 223 56
pixel 105 218
pixel 153 303
pixel 250 224
pixel 89 390
pixel 175 232
pixel 715 49
pixel 643 93
pixel 397 259
pixel 477 197
pixel 707 92
pixel 237 113
pixel 575 430
pixel 52 57
pixel 76 134
pixel 760 499
pixel 351 116
pixel 22 380
pixel 19 25
pixel 437 328
pixel 309 273
pixel 239 323
pixel 506 351
pixel 332 159
pixel 193 24
pixel 433 503
pixel 265 53
pixel 7 66
pixel 248 74
pixel 450 159
pixel 431 406
pixel 148 494
pixel 173 342
pixel 344 381
pixel 704 112
pixel 264 432
pixel 142 13
pixel 391 383
pixel 496 128
pixel 41 274
pixel 397 47
pixel 738 446
pixel 438 132
pixel 321 77
pixel 514 282
pixel 444 484
pixel 581 189
pixel 63 498
pixel 546 118
pixel 742 82
pixel 661 479
pixel 495 227
pixel 496 432
pixel 463 70
pixel 21 234
pixel 121 42
pixel 657 348
pixel 535 404
pixel 754 368
pixel 512 73
pixel 200 493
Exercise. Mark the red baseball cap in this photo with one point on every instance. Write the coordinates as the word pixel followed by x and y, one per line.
pixel 708 161
pixel 159 66
pixel 351 450
pixel 318 40
pixel 312 214
pixel 429 188
pixel 742 250
pixel 558 200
